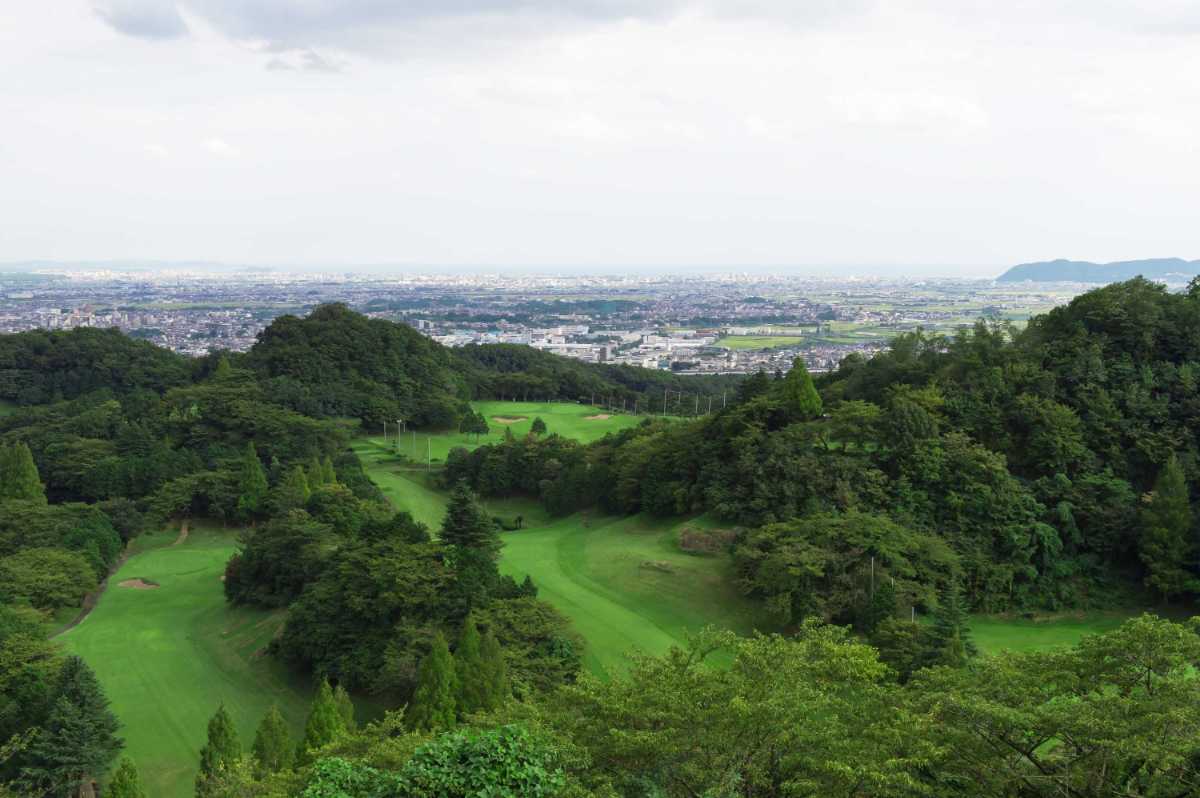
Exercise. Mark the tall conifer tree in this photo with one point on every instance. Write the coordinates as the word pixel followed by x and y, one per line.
pixel 220 752
pixel 125 783
pixel 495 670
pixel 325 724
pixel 1166 545
pixel 433 704
pixel 328 474
pixel 293 491
pixel 273 747
pixel 345 707
pixel 466 524
pixel 19 478
pixel 473 684
pixel 799 393
pixel 951 634
pixel 252 484
pixel 78 740
pixel 316 475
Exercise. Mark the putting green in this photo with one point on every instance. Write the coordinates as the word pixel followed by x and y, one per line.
pixel 169 655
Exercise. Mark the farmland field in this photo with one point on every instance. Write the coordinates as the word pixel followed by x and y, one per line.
pixel 759 341
pixel 169 656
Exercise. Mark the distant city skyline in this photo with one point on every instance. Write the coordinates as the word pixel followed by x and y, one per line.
pixel 887 137
pixel 831 271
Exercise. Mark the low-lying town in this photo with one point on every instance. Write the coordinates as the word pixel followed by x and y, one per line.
pixel 719 323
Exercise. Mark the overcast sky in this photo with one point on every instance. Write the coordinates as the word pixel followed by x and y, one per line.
pixel 942 136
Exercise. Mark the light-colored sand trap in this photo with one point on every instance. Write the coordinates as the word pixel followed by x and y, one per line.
pixel 137 584
pixel 598 417
pixel 507 419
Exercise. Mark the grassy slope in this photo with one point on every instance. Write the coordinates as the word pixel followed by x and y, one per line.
pixel 7 408
pixel 592 568
pixel 993 634
pixel 568 420
pixel 595 571
pixel 168 657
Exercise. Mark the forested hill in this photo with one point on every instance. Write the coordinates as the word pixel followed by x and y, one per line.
pixel 1044 468
pixel 995 470
pixel 1082 271
pixel 336 363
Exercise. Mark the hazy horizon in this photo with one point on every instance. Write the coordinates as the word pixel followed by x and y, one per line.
pixel 600 135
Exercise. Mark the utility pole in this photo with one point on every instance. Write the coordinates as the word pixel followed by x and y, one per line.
pixel 385 438
pixel 414 446
pixel 429 454
pixel 722 400
pixel 399 432
pixel 709 412
pixel 697 405
pixel 664 402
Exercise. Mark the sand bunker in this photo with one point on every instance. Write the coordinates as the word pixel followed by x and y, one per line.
pixel 598 417
pixel 138 584
pixel 507 419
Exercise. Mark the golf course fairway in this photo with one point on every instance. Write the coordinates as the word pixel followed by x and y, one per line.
pixel 623 581
pixel 169 655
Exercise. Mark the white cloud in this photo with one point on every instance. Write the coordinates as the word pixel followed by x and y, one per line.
pixel 601 133
pixel 220 147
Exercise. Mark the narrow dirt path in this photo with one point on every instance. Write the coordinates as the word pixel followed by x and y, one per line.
pixel 91 599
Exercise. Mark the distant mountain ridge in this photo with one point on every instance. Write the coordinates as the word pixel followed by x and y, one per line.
pixel 1082 271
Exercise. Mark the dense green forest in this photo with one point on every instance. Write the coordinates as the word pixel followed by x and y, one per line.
pixel 994 470
pixel 1044 469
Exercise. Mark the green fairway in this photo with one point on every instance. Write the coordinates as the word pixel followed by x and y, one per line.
pixel 582 422
pixel 994 634
pixel 625 583
pixel 406 488
pixel 169 656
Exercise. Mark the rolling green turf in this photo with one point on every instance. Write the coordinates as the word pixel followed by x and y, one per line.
pixel 568 420
pixel 625 584
pixel 623 581
pixel 993 634
pixel 594 568
pixel 758 341
pixel 168 657
pixel 405 487
pixel 7 408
